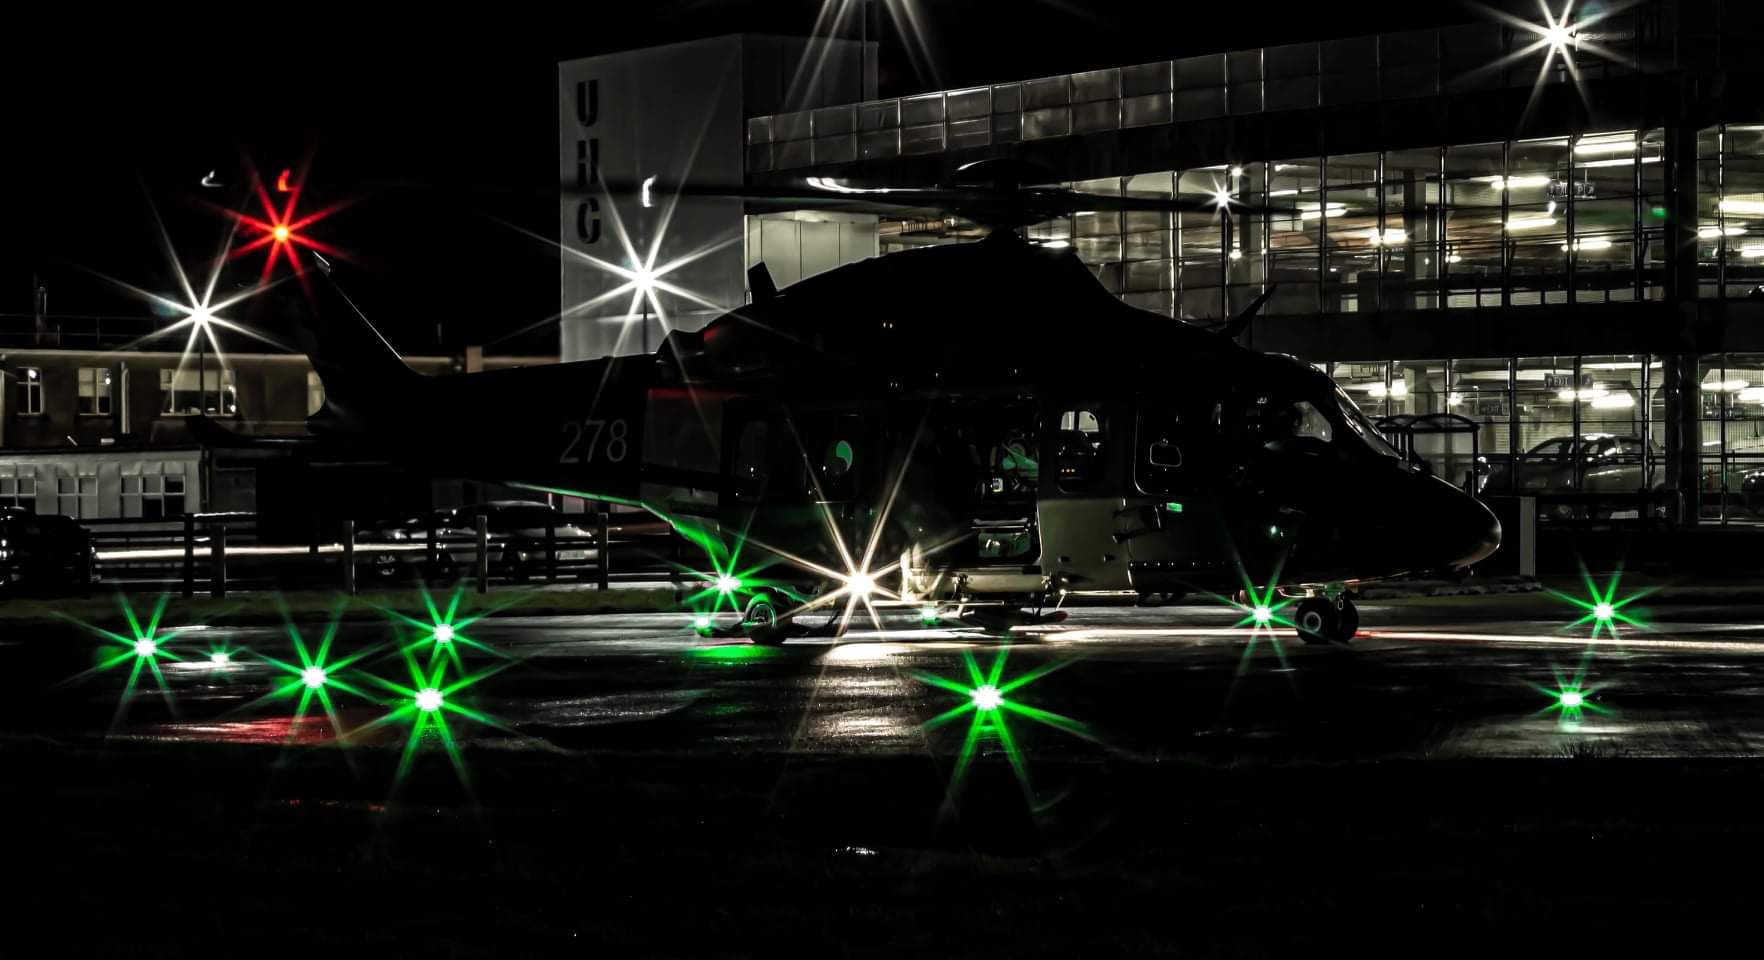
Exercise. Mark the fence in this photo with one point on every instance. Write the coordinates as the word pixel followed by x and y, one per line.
pixel 216 552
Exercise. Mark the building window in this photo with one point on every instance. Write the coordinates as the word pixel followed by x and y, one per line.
pixel 1545 425
pixel 1295 236
pixel 20 492
pixel 1608 169
pixel 188 394
pixel 1351 231
pixel 1413 227
pixel 1539 188
pixel 77 495
pixel 94 391
pixel 1730 211
pixel 1482 391
pixel 1731 398
pixel 154 496
pixel 29 391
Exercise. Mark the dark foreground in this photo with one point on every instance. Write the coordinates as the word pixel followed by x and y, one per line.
pixel 157 852
pixel 634 791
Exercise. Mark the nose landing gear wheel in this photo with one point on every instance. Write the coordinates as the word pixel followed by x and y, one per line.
pixel 1321 621
pixel 1350 621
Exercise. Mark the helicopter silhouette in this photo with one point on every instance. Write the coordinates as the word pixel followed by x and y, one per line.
pixel 980 424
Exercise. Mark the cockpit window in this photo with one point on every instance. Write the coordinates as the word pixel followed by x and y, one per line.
pixel 1312 423
pixel 1357 422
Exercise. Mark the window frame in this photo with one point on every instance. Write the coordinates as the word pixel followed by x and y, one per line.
pixel 29 384
pixel 228 389
pixel 1180 479
pixel 1102 413
pixel 103 393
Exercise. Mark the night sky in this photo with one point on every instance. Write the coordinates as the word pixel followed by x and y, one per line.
pixel 440 129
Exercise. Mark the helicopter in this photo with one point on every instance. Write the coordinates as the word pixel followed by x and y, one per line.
pixel 980 424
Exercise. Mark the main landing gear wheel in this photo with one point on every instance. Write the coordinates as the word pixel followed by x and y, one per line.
pixel 760 620
pixel 1321 621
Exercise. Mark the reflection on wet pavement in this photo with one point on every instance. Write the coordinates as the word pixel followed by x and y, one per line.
pixel 1148 682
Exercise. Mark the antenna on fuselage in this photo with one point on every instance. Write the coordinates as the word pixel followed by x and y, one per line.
pixel 1233 328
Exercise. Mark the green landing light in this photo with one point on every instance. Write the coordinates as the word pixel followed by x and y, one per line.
pixel 313 676
pixel 1571 700
pixel 1173 507
pixel 987 697
pixel 1261 608
pixel 1604 608
pixel 429 700
pixel 146 647
pixel 444 633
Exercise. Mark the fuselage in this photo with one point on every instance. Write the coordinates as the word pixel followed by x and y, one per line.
pixel 985 415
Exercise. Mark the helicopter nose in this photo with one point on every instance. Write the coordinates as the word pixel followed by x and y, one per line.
pixel 1470 532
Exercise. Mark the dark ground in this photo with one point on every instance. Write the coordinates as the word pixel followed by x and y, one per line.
pixel 653 795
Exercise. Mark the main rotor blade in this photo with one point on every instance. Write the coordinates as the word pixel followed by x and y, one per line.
pixel 988 205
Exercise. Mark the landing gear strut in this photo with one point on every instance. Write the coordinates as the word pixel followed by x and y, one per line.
pixel 1327 619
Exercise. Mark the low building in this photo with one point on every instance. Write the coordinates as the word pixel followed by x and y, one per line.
pixel 100 434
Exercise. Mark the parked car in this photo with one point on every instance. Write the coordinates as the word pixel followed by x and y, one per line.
pixel 45 552
pixel 518 537
pixel 1745 487
pixel 1608 464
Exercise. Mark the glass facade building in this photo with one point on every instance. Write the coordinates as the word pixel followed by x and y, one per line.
pixel 1560 238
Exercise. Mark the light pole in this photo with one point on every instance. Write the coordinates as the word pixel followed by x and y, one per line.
pixel 201 368
pixel 201 318
pixel 645 282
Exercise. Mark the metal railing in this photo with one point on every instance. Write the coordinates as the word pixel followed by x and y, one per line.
pixel 1300 76
pixel 216 552
pixel 1638 509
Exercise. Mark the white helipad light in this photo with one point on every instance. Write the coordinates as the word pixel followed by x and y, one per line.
pixel 1262 614
pixel 444 633
pixel 1572 699
pixel 861 584
pixel 145 647
pixel 313 677
pixel 987 697
pixel 1604 611
pixel 428 699
pixel 701 622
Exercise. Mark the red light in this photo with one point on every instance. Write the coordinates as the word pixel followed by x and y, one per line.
pixel 279 228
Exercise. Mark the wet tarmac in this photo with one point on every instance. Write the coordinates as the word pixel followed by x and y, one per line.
pixel 1134 780
pixel 1420 681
